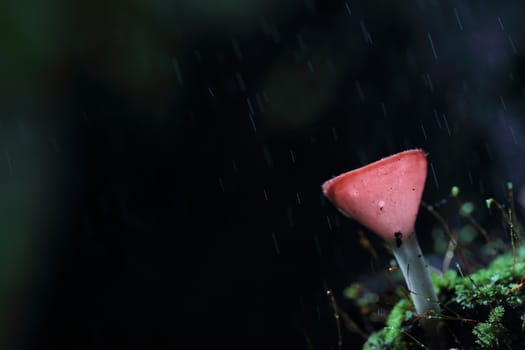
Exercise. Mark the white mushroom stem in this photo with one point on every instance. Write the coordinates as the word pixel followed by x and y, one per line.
pixel 417 277
pixel 412 263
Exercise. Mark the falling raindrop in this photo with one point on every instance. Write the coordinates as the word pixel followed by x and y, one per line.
pixel 268 156
pixel 334 133
pixel 292 156
pixel 237 50
pixel 436 116
pixel 250 106
pixel 359 90
pixel 276 244
pixel 221 184
pixel 260 102
pixel 500 23
pixel 489 152
pixel 383 108
pixel 176 68
pixel 424 132
pixel 252 122
pixel 347 6
pixel 240 81
pixel 300 40
pixel 446 124
pixel 337 221
pixel 310 66
pixel 511 42
pixel 366 33
pixel 432 45
pixel 275 33
pixel 434 174
pixel 428 82
pixel 513 135
pixel 458 19
pixel 503 103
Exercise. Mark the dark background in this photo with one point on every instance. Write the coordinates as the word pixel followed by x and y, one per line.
pixel 162 160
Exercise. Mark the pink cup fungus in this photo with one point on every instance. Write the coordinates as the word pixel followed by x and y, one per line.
pixel 384 196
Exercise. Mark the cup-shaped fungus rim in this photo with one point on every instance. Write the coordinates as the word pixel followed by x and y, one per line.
pixel 383 196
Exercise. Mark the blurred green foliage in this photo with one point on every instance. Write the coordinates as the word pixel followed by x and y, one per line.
pixel 31 188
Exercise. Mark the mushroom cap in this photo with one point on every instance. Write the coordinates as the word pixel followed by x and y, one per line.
pixel 383 196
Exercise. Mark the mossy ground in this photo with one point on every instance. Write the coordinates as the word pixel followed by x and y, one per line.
pixel 483 310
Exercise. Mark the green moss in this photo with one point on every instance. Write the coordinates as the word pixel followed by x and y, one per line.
pixel 492 286
pixel 481 310
pixel 488 333
pixel 448 280
pixel 391 337
pixel 490 298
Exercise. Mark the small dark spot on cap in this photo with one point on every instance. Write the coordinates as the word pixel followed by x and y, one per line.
pixel 419 255
pixel 399 239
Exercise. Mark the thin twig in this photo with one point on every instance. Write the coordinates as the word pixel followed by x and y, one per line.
pixel 337 318
pixel 352 326
pixel 365 243
pixel 508 217
pixel 452 235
